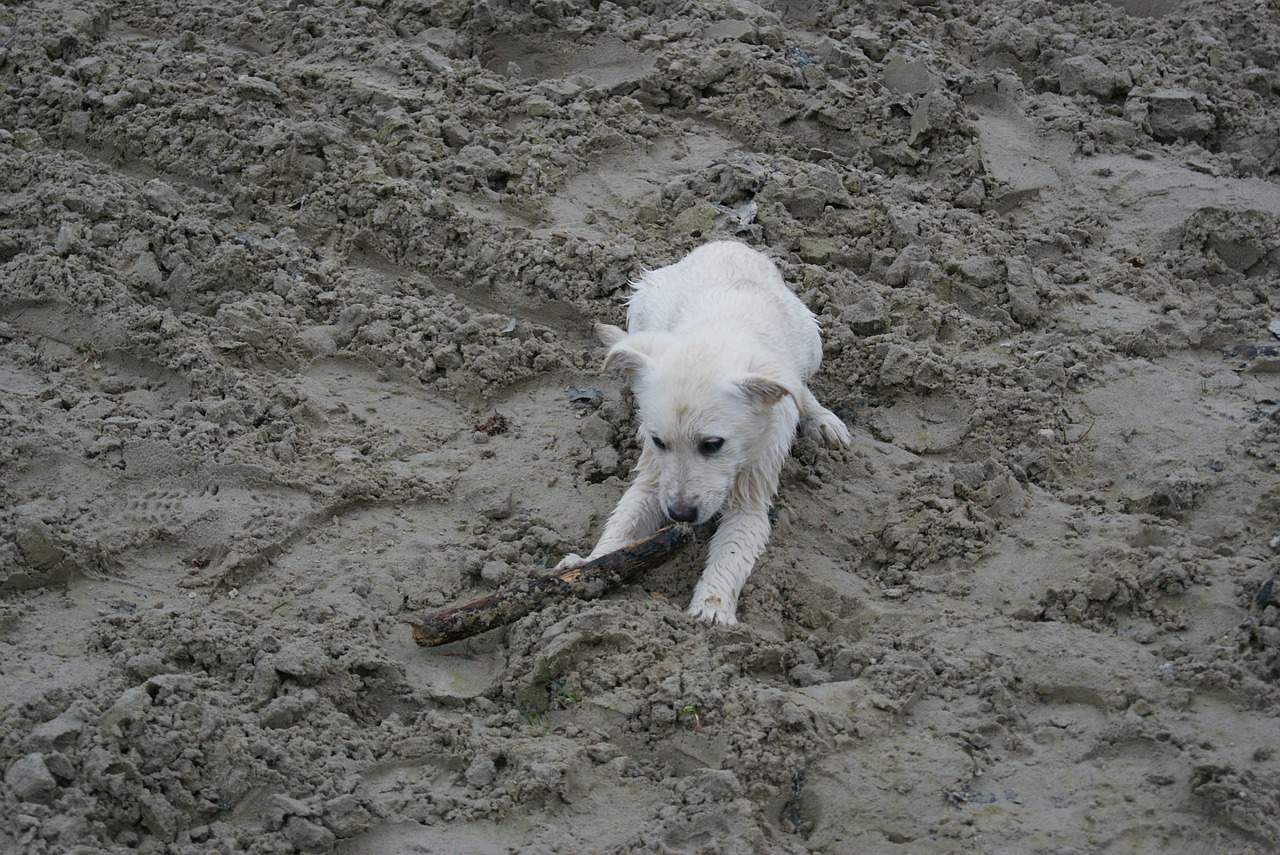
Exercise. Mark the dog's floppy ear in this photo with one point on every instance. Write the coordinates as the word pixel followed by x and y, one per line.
pixel 630 353
pixel 763 391
pixel 625 358
pixel 608 334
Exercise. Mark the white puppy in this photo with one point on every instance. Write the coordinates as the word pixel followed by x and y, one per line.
pixel 717 350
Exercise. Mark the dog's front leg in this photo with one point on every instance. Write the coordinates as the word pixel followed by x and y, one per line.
pixel 738 542
pixel 637 515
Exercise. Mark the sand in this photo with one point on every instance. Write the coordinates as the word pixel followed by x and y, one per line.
pixel 295 306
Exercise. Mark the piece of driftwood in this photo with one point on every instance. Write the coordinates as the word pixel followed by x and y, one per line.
pixel 590 580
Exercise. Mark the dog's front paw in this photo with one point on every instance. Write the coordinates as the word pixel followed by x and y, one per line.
pixel 570 561
pixel 828 429
pixel 713 613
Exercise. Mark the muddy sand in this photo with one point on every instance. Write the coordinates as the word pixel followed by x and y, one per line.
pixel 295 304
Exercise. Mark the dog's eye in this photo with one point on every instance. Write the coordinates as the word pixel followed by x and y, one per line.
pixel 710 446
pixel 658 444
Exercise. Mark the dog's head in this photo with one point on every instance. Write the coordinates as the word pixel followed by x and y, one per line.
pixel 705 411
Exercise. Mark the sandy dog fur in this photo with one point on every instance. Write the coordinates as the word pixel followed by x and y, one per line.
pixel 717 351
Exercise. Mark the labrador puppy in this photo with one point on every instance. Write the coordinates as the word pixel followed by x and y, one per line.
pixel 717 351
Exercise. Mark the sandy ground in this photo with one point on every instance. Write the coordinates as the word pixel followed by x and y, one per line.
pixel 269 273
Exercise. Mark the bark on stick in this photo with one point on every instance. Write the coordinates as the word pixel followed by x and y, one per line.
pixel 590 580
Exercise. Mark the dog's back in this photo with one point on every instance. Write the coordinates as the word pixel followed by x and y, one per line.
pixel 727 287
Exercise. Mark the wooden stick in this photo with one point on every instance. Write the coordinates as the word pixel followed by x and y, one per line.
pixel 589 580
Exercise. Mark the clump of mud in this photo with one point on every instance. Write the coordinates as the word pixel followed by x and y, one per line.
pixel 294 339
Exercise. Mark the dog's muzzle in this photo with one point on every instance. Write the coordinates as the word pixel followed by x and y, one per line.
pixel 682 512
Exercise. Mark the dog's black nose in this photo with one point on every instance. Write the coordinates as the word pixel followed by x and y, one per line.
pixel 681 512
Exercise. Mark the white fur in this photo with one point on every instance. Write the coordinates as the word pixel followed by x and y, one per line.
pixel 716 348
